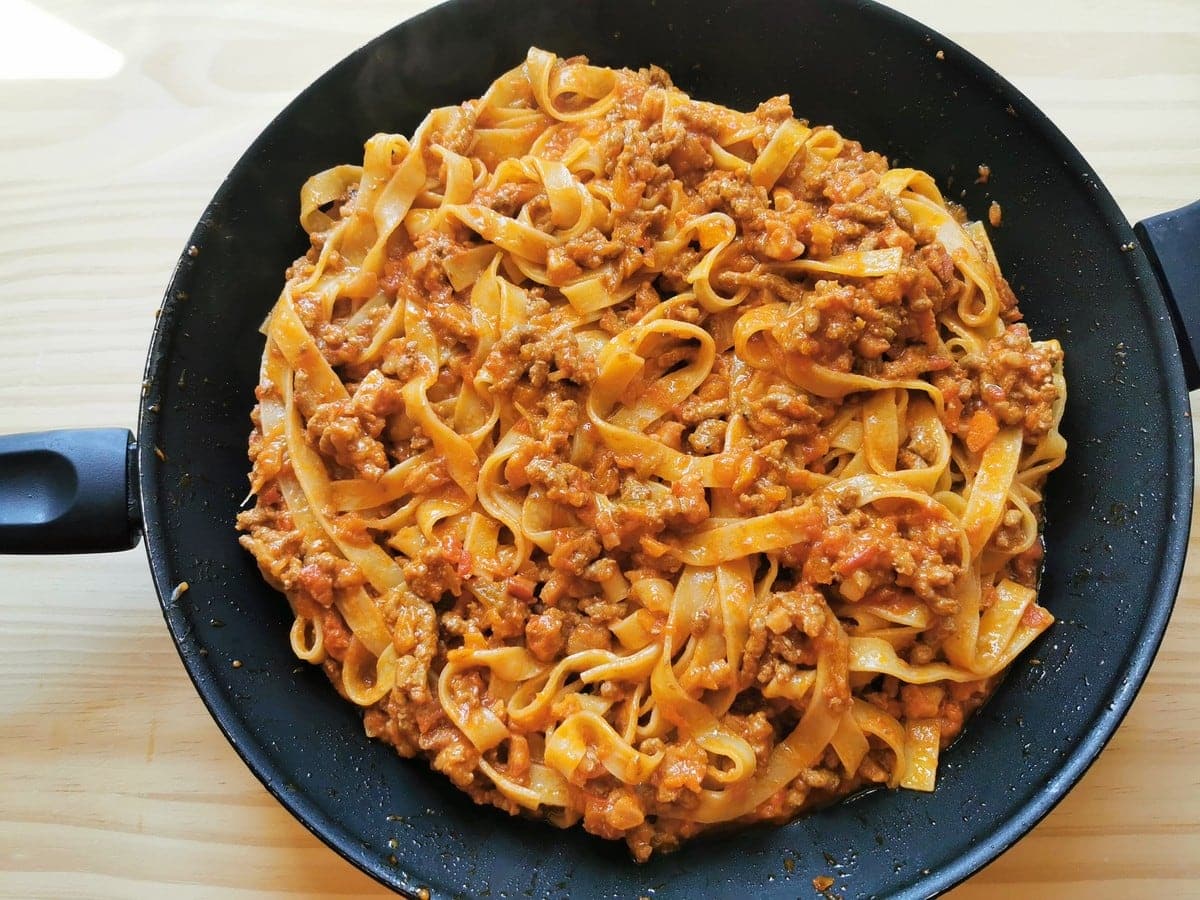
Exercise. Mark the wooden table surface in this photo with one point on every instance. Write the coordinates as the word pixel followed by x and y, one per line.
pixel 117 122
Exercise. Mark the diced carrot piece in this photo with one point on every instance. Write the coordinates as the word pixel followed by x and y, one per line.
pixel 981 431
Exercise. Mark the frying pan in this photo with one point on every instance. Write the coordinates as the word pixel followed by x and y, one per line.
pixel 1123 304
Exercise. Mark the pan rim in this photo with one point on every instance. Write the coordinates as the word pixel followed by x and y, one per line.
pixel 1160 598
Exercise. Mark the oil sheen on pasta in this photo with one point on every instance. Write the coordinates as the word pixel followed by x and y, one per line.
pixel 647 464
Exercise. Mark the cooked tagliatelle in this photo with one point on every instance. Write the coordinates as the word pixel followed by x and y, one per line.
pixel 646 463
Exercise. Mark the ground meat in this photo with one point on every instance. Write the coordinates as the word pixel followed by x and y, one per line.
pixel 1016 381
pixel 780 410
pixel 431 574
pixel 563 482
pixel 450 751
pixel 588 635
pixel 682 769
pixel 768 234
pixel 574 549
pixel 611 813
pixel 541 354
pixel 782 628
pixel 350 436
pixel 914 549
pixel 335 634
pixel 544 634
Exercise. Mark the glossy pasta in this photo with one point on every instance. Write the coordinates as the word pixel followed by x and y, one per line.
pixel 647 463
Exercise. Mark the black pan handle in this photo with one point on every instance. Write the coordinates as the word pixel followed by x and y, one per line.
pixel 71 491
pixel 1172 241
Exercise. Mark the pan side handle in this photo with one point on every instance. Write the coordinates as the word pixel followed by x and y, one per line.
pixel 1172 241
pixel 70 491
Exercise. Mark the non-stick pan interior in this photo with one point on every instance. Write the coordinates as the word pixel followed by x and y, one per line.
pixel 1118 510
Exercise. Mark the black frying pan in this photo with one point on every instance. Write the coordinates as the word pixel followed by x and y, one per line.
pixel 1117 513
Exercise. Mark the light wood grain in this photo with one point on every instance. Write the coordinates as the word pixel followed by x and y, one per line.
pixel 114 782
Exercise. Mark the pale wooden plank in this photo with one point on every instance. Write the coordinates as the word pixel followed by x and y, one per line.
pixel 101 184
